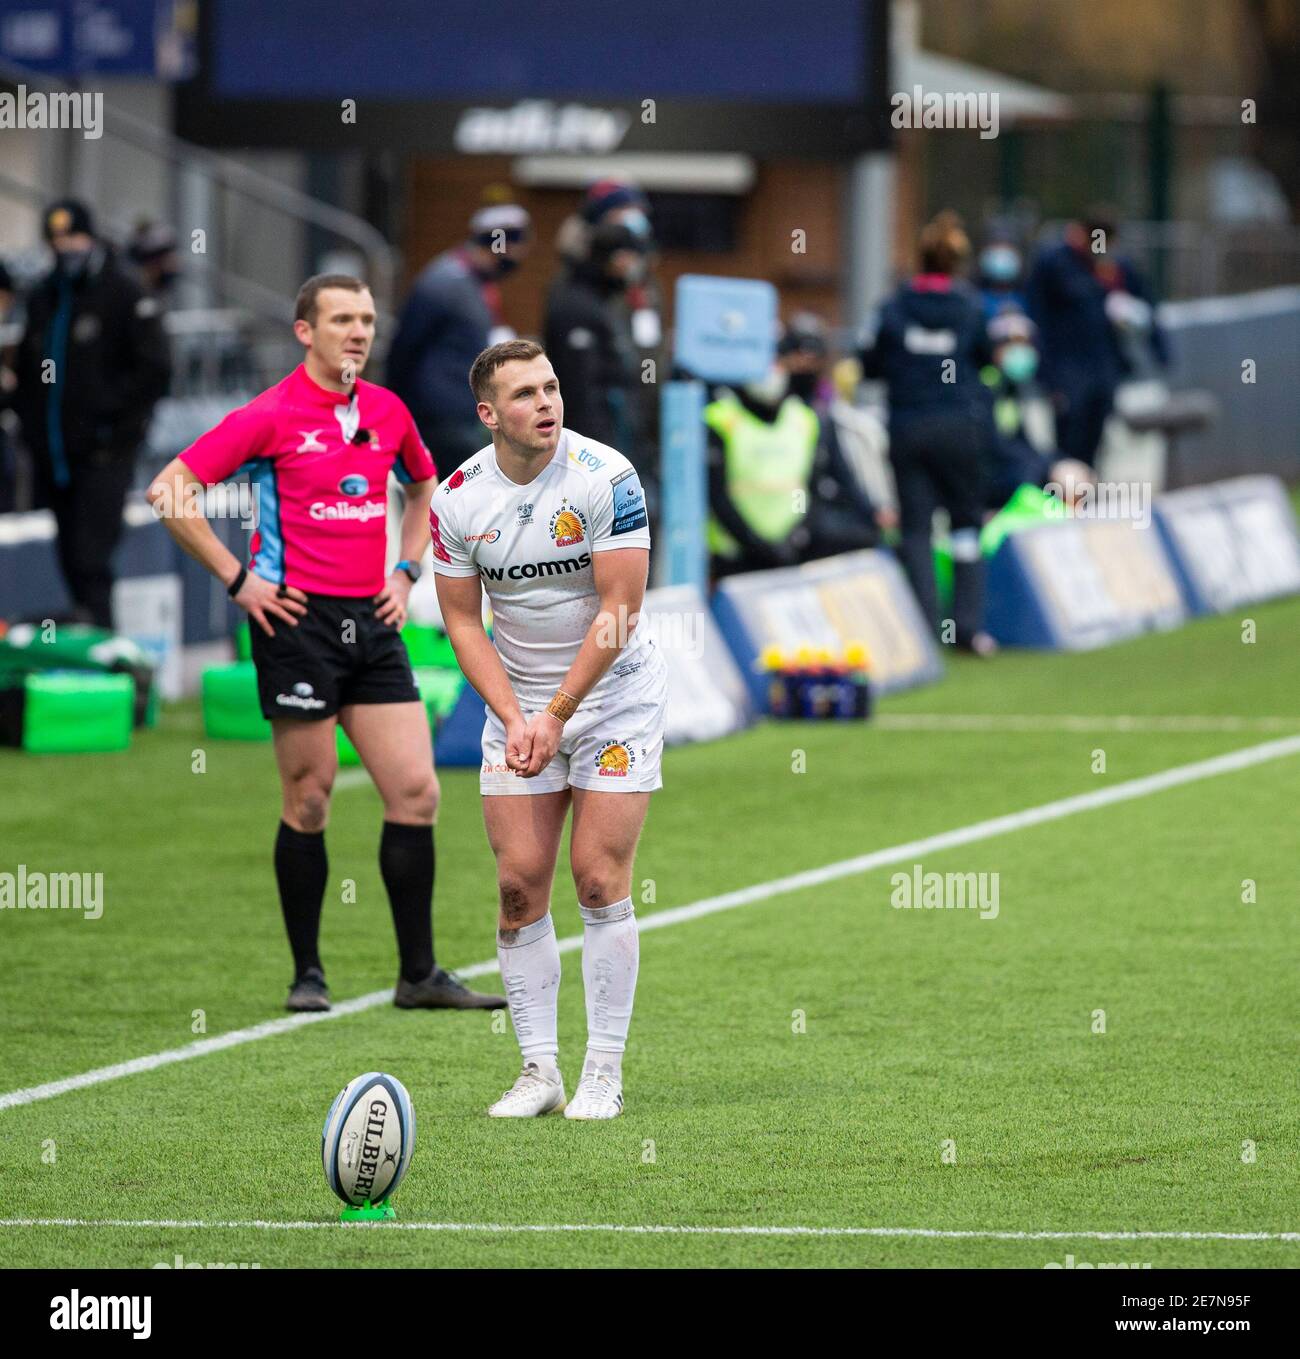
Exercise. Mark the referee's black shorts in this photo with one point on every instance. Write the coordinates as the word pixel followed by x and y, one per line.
pixel 339 654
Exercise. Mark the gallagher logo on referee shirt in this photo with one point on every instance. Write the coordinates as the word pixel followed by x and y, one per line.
pixel 354 484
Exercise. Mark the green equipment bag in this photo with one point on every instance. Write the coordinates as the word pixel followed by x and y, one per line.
pixel 28 648
pixel 73 712
pixel 230 708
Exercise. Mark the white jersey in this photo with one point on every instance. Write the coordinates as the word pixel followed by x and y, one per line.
pixel 532 548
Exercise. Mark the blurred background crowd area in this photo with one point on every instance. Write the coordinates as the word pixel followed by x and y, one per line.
pixel 245 147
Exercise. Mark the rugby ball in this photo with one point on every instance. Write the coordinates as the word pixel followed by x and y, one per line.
pixel 368 1138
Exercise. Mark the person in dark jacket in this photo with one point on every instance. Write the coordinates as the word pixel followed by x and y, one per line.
pixel 8 466
pixel 928 345
pixel 588 346
pixel 1091 307
pixel 90 367
pixel 453 313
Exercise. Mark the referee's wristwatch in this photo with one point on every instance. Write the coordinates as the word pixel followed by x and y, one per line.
pixel 411 568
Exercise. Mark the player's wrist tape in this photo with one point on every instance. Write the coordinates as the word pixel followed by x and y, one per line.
pixel 562 706
pixel 237 584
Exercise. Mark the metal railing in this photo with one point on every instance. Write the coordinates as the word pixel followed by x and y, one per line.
pixel 180 167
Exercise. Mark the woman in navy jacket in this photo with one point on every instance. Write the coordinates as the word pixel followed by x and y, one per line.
pixel 928 346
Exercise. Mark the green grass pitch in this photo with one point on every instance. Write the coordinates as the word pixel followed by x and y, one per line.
pixel 804 1060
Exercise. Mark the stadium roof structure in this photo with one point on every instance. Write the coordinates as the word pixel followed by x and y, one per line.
pixel 1018 100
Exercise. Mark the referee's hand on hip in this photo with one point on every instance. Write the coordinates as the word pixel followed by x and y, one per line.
pixel 263 601
pixel 390 602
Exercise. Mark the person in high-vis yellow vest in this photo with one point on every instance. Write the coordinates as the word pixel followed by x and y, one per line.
pixel 762 453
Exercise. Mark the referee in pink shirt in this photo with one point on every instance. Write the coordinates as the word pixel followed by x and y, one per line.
pixel 326 617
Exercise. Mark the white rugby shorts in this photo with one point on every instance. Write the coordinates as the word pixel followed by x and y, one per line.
pixel 610 752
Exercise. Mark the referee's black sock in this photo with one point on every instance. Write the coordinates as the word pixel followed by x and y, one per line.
pixel 406 863
pixel 302 870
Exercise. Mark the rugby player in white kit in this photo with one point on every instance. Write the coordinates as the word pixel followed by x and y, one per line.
pixel 554 527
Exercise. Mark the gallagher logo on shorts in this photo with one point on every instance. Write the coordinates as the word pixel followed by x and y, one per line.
pixel 614 760
pixel 354 484
pixel 489 537
pixel 568 526
pixel 300 698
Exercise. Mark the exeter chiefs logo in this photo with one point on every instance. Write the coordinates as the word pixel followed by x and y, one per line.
pixel 568 526
pixel 614 760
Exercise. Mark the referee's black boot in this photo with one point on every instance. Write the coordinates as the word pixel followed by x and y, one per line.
pixel 309 992
pixel 441 991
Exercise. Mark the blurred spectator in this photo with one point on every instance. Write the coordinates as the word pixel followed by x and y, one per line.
pixel 1090 306
pixel 152 249
pixel 928 344
pixel 638 310
pixel 452 314
pixel 8 467
pixel 1009 376
pixel 589 348
pixel 841 517
pixel 780 491
pixel 91 365
pixel 1000 270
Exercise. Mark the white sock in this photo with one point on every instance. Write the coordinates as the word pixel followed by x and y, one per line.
pixel 530 969
pixel 611 951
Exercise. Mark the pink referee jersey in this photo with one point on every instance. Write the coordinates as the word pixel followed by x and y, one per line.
pixel 320 462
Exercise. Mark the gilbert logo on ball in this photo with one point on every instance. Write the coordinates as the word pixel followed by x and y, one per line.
pixel 368 1138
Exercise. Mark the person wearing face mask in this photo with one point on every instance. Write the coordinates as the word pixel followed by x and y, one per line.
pixel 92 363
pixel 762 448
pixel 1009 378
pixel 841 516
pixel 1000 268
pixel 152 249
pixel 590 348
pixel 780 489
pixel 928 344
pixel 452 314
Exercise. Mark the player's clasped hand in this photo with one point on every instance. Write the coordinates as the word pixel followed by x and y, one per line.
pixel 263 601
pixel 390 602
pixel 531 745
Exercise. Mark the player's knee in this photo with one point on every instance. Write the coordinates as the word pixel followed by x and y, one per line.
pixel 307 800
pixel 312 809
pixel 601 885
pixel 418 798
pixel 520 898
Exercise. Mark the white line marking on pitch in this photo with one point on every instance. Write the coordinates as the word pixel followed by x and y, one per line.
pixel 929 1233
pixel 813 877
pixel 978 722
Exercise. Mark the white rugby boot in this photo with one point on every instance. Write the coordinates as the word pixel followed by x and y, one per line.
pixel 531 1096
pixel 599 1095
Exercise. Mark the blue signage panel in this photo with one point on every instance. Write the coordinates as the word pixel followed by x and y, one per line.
pixel 71 38
pixel 859 597
pixel 811 53
pixel 725 328
pixel 1073 584
pixel 1232 543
